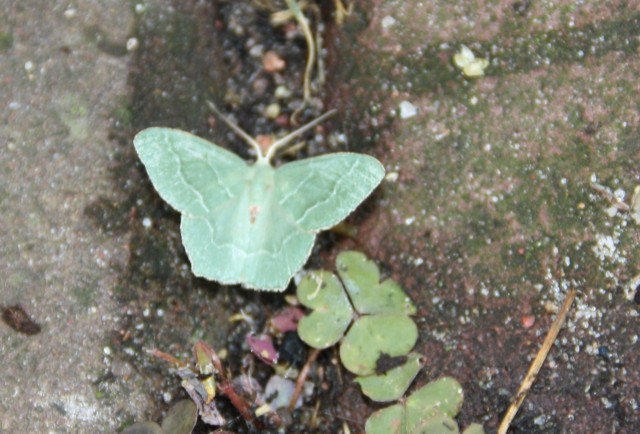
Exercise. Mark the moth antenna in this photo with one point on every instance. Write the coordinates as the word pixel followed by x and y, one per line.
pixel 281 143
pixel 239 131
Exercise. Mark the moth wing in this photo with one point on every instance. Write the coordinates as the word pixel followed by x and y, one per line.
pixel 320 192
pixel 193 175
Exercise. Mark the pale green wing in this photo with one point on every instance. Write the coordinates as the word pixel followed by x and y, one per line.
pixel 251 241
pixel 320 192
pixel 220 253
pixel 193 175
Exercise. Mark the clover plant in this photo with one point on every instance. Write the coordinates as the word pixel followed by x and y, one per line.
pixel 430 409
pixel 378 313
pixel 380 338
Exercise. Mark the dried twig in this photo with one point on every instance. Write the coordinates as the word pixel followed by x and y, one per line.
pixel 208 364
pixel 311 54
pixel 606 192
pixel 536 364
pixel 304 372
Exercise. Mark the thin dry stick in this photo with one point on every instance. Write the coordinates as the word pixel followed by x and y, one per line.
pixel 304 372
pixel 616 202
pixel 528 380
pixel 311 55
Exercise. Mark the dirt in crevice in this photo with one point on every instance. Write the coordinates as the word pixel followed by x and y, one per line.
pixel 191 52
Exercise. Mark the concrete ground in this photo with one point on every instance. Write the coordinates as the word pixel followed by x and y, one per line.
pixel 60 87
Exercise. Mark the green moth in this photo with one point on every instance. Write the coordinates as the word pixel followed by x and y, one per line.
pixel 252 224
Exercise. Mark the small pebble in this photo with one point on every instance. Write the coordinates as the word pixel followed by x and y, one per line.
pixel 392 176
pixel 407 110
pixel 551 307
pixel 282 92
pixel 132 44
pixel 256 50
pixel 612 211
pixel 527 321
pixel 470 65
pixel 272 111
pixel 260 86
pixel 272 62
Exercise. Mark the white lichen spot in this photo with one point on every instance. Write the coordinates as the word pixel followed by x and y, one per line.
pixel 605 249
pixel 407 110
pixel 77 408
pixel 387 22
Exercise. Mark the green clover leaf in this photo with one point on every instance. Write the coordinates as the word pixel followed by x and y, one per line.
pixel 361 278
pixel 322 292
pixel 371 336
pixel 391 385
